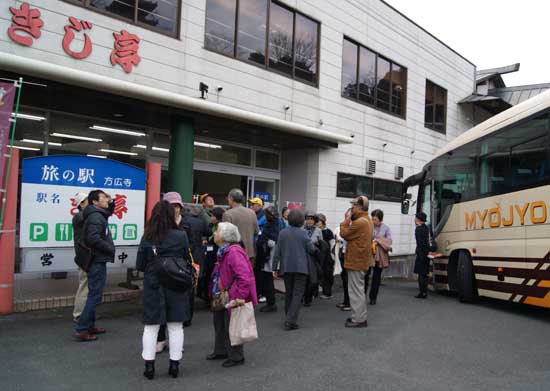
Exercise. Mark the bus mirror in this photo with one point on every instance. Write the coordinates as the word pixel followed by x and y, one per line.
pixel 405 207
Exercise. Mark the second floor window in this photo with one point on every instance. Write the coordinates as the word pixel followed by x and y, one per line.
pixel 369 78
pixel 159 15
pixel 264 33
pixel 435 115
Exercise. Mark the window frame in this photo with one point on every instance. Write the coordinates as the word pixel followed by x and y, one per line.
pixel 372 184
pixel 434 91
pixel 135 22
pixel 404 69
pixel 266 66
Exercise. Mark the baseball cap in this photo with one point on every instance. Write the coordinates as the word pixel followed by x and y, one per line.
pixel 256 200
pixel 360 201
pixel 80 197
pixel 173 198
pixel 202 197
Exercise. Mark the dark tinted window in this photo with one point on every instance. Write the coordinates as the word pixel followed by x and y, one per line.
pixel 367 75
pixel 349 70
pixel 220 26
pixel 382 83
pixel 305 49
pixel 435 114
pixel 252 30
pixel 398 82
pixel 267 160
pixel 281 33
pixel 351 186
pixel 290 37
pixel 161 15
pixel 385 190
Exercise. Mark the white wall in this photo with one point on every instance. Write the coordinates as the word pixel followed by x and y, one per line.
pixel 179 65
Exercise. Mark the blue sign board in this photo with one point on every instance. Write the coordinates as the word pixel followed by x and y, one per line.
pixel 82 171
pixel 263 195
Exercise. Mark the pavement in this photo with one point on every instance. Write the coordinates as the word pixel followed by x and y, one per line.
pixel 410 344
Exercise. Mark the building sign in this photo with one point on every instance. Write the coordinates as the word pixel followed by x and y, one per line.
pixel 26 27
pixel 48 191
pixel 7 95
pixel 263 195
pixel 62 259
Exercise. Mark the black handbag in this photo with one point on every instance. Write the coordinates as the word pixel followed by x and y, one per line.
pixel 174 273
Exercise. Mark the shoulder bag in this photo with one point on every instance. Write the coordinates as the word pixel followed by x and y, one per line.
pixel 174 273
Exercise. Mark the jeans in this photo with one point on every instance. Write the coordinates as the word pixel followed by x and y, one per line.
pixel 295 287
pixel 375 285
pixel 97 275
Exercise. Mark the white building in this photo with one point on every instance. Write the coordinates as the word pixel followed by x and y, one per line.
pixel 293 128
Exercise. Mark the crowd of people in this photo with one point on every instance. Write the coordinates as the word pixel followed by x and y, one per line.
pixel 235 254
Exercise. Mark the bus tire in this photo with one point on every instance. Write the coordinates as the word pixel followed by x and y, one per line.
pixel 466 284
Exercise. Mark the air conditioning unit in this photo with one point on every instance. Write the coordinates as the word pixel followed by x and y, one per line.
pixel 371 167
pixel 399 172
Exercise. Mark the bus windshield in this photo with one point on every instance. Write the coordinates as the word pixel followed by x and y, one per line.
pixel 514 158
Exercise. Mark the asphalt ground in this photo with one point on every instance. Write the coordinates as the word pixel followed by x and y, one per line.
pixel 410 344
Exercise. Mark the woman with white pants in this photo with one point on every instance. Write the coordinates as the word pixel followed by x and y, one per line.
pixel 162 305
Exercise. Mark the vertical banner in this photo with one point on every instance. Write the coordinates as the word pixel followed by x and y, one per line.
pixel 7 96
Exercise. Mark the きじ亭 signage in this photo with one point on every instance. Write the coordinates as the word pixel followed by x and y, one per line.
pixel 49 187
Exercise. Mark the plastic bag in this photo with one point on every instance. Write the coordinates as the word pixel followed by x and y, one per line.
pixel 242 325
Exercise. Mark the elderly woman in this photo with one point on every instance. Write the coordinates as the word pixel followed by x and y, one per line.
pixel 292 261
pixel 383 242
pixel 232 272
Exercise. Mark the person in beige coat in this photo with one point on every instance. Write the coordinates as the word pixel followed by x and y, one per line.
pixel 357 229
pixel 245 220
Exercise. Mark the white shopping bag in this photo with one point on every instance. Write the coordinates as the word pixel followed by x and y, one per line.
pixel 242 325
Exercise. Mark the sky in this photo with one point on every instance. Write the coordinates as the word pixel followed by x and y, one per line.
pixel 490 33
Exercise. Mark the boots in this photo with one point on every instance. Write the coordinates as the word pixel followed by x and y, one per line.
pixel 149 369
pixel 174 370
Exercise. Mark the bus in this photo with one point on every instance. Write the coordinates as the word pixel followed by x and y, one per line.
pixel 487 198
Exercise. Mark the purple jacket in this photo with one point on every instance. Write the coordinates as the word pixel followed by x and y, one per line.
pixel 235 266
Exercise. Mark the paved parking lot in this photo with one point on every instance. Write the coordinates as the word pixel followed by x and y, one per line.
pixel 410 344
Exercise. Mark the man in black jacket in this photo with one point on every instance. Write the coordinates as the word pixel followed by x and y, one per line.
pixel 97 237
pixel 422 262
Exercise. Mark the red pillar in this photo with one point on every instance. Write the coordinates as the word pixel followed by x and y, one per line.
pixel 153 187
pixel 7 238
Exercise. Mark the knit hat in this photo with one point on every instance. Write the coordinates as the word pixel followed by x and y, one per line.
pixel 173 198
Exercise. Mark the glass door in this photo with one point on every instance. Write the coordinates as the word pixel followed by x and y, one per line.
pixel 266 189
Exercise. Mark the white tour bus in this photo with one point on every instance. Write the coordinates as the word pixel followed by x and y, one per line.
pixel 487 197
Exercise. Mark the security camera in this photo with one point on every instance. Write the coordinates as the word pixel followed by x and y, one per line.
pixel 384 145
pixel 219 89
pixel 203 88
pixel 352 135
pixel 286 107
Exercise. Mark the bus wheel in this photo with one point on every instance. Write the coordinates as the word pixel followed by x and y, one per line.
pixel 466 284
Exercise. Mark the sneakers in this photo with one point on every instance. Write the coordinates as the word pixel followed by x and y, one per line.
pixel 262 299
pixel 325 297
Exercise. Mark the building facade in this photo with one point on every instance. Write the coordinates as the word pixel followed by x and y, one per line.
pixel 296 101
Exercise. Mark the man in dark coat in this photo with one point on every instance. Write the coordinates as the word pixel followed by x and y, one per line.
pixel 198 232
pixel 97 237
pixel 422 262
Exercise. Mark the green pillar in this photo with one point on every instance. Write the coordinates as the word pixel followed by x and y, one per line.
pixel 180 166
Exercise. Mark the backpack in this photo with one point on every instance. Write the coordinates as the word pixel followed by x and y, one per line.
pixel 174 273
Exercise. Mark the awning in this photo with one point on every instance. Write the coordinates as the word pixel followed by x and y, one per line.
pixel 93 81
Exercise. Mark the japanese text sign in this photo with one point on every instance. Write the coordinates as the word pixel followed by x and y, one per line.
pixel 48 204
